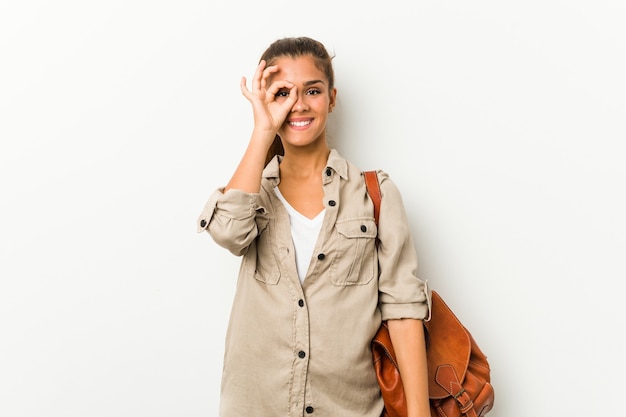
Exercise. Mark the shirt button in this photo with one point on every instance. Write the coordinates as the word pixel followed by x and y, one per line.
pixel 301 354
pixel 309 410
pixel 321 256
pixel 328 172
pixel 363 228
pixel 202 223
pixel 332 203
pixel 301 303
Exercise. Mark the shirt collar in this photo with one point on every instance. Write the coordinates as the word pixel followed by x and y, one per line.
pixel 335 162
pixel 338 163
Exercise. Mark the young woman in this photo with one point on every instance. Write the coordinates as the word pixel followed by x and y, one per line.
pixel 313 286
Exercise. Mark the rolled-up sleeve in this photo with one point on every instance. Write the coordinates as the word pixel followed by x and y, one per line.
pixel 229 217
pixel 401 293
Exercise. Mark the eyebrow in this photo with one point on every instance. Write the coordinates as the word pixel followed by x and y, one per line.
pixel 308 83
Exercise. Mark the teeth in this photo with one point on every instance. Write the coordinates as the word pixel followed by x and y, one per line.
pixel 300 124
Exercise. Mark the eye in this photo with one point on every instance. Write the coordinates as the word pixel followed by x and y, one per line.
pixel 314 92
pixel 282 93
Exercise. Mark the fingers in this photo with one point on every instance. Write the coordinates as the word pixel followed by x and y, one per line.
pixel 267 72
pixel 277 86
pixel 258 75
pixel 261 75
pixel 268 92
pixel 244 88
pixel 259 79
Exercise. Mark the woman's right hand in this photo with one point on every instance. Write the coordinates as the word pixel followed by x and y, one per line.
pixel 269 113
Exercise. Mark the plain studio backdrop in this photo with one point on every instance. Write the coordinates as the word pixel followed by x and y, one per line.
pixel 503 124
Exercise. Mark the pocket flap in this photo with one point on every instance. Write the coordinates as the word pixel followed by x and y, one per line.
pixel 355 228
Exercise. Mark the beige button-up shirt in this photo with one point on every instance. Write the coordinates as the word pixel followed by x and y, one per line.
pixel 297 349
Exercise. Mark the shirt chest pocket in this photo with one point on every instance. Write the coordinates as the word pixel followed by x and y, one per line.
pixel 354 252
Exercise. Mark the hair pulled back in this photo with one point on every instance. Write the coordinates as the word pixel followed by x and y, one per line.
pixel 294 47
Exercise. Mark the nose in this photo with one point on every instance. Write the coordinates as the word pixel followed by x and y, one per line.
pixel 300 105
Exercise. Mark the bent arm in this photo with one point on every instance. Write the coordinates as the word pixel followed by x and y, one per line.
pixel 407 337
pixel 269 115
pixel 247 176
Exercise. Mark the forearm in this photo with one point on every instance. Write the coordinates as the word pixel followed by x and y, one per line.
pixel 247 176
pixel 407 337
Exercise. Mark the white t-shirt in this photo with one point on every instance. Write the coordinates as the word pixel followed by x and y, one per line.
pixel 304 233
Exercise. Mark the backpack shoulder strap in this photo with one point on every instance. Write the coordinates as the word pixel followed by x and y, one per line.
pixel 373 189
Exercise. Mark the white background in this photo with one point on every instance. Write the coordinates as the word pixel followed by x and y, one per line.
pixel 501 122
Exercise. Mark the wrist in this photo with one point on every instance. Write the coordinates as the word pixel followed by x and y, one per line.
pixel 264 133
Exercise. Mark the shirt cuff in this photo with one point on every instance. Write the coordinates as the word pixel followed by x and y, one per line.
pixel 420 310
pixel 238 204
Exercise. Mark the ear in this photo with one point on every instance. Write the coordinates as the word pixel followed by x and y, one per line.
pixel 333 100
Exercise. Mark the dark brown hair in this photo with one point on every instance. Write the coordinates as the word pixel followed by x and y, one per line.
pixel 294 48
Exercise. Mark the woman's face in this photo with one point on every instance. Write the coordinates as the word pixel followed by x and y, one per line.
pixel 306 123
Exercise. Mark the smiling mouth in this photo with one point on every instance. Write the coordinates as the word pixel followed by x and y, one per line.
pixel 300 123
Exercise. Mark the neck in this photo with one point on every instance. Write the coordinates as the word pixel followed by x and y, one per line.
pixel 301 163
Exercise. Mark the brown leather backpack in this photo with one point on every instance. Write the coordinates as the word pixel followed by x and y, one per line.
pixel 459 380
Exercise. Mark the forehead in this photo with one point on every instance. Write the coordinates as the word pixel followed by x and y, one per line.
pixel 299 69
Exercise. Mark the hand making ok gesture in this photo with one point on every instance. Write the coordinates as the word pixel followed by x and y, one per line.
pixel 269 113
